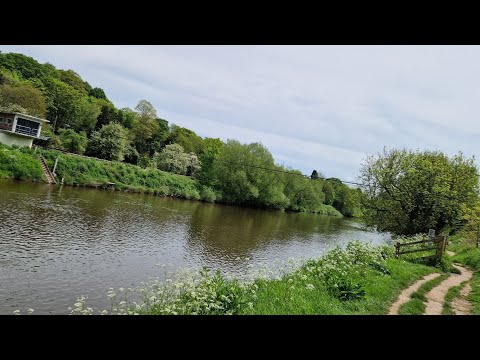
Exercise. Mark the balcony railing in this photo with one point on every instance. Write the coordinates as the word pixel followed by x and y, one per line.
pixel 25 130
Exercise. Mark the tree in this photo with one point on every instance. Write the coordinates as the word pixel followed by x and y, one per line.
pixel 98 93
pixel 329 191
pixel 108 114
pixel 63 105
pixel 190 141
pixel 109 143
pixel 72 141
pixel 212 150
pixel 472 226
pixel 26 96
pixel 71 78
pixel 86 115
pixel 173 158
pixel 146 110
pixel 409 192
pixel 159 136
pixel 314 175
pixel 126 117
pixel 243 176
pixel 145 127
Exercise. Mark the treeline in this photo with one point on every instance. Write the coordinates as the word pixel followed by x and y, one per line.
pixel 85 121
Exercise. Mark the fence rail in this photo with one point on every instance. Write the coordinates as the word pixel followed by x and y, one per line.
pixel 439 241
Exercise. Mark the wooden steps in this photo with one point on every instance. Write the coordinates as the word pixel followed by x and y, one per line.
pixel 48 174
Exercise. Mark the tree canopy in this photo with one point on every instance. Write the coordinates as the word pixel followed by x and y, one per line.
pixel 409 192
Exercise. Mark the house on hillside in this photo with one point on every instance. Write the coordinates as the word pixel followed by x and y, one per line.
pixel 19 129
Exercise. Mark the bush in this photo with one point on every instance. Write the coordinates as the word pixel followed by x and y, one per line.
pixel 19 163
pixel 207 194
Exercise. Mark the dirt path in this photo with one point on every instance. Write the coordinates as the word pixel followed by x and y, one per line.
pixel 406 293
pixel 460 305
pixel 436 296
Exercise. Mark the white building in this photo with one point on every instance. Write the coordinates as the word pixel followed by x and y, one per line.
pixel 19 129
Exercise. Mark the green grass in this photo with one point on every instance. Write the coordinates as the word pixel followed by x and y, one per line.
pixel 19 163
pixel 359 279
pixel 467 255
pixel 80 171
pixel 452 293
pixel 274 296
pixel 416 305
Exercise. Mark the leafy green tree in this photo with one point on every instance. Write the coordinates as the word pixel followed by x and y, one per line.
pixel 63 104
pixel 471 229
pixel 108 114
pixel 97 93
pixel 145 127
pixel 109 143
pixel 72 141
pixel 126 117
pixel 190 141
pixel 212 150
pixel 160 135
pixel 409 192
pixel 174 159
pixel 86 115
pixel 243 176
pixel 71 78
pixel 329 191
pixel 25 66
pixel 26 96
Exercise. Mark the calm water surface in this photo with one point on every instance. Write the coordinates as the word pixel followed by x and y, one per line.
pixel 60 242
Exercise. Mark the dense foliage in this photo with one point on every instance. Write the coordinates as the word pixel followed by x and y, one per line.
pixel 85 121
pixel 409 192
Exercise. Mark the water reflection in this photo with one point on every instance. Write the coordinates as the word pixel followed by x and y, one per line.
pixel 60 242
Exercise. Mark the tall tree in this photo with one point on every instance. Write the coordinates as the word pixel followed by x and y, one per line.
pixel 109 143
pixel 25 96
pixel 145 127
pixel 190 141
pixel 409 192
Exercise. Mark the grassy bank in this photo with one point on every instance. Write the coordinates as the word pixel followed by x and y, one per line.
pixel 81 171
pixel 19 163
pixel 23 164
pixel 467 254
pixel 359 279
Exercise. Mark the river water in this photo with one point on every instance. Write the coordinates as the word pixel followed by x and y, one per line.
pixel 57 243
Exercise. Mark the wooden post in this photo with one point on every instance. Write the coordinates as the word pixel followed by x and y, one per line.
pixel 397 245
pixel 55 166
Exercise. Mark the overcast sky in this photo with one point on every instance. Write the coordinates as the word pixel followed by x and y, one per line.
pixel 314 107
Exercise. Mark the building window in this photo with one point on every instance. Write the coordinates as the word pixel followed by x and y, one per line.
pixel 27 127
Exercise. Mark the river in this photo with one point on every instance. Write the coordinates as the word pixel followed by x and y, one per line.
pixel 57 243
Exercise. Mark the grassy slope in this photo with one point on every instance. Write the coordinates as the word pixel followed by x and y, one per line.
pixel 89 172
pixel 19 164
pixel 274 297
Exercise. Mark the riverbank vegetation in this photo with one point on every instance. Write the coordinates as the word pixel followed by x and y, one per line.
pixel 21 164
pixel 85 122
pixel 360 279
